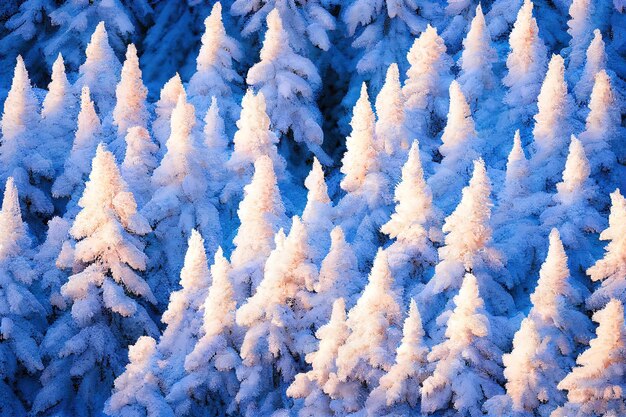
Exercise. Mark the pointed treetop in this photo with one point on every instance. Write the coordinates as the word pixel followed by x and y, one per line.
pixel 195 273
pixel 14 235
pixel 211 40
pixel 131 94
pixel 389 102
pixel 316 185
pixel 88 121
pixel 601 104
pixel 577 169
pixel 171 90
pixel 276 38
pixel 58 88
pixel 413 330
pixel 460 124
pixel 20 107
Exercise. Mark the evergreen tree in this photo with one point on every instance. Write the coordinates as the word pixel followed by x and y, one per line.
pixel 580 28
pixel 163 109
pixel 71 182
pixel 595 62
pixel 139 162
pixel 609 269
pixel 318 214
pixel 216 149
pixel 415 226
pixel 22 316
pixel 526 64
pixel 476 76
pixel 261 214
pixel 399 389
pixel 467 364
pixel 290 84
pixel 22 156
pixel 210 380
pixel 100 71
pixel 596 386
pixel 86 345
pixel 553 125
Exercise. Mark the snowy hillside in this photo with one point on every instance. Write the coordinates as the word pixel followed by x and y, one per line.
pixel 306 208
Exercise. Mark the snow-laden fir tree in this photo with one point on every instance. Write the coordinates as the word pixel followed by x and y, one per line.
pixel 476 76
pixel 261 215
pixel 22 316
pixel 100 71
pixel 86 345
pixel 467 364
pixel 339 277
pixel 71 182
pixel 58 116
pixel 130 101
pixel 468 247
pixel 602 127
pixel 215 75
pixel 553 126
pixel 375 324
pixel 611 268
pixel 137 391
pixel 458 150
pixel 426 87
pixel 526 64
pixel 163 109
pixel 140 160
pixel 391 133
pixel 180 202
pixel 252 140
pixel 22 154
pixel 580 28
pixel 183 317
pixel 573 212
pixel 318 214
pixel 399 390
pixel 290 84
pixel 545 346
pixel 310 386
pixel 596 61
pixel 215 149
pixel 304 21
pixel 276 324
pixel 50 274
pixel 597 385
pixel 415 225
pixel 209 380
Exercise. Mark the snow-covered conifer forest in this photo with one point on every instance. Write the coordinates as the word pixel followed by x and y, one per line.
pixel 311 208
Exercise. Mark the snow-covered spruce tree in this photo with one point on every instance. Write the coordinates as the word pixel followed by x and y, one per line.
pixel 467 248
pixel 415 225
pixel 545 346
pixel 137 391
pixel 140 161
pixel 602 127
pixel 71 182
pixel 210 380
pixel 597 386
pixel 277 328
pixel 526 64
pixel 58 116
pixel 458 149
pixel 364 208
pixel 100 71
pixel 476 76
pixel 596 61
pixel 318 214
pixel 399 390
pixel 391 134
pixel 215 150
pixel 50 276
pixel 573 212
pixel 339 277
pixel 610 269
pixel 22 154
pixel 290 83
pixel 22 316
pixel 467 364
pixel 304 21
pixel 180 202
pixel 553 126
pixel 375 324
pixel 130 105
pixel 387 29
pixel 183 317
pixel 580 28
pixel 215 75
pixel 311 386
pixel 86 345
pixel 252 140
pixel 261 215
pixel 162 124
pixel 426 87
